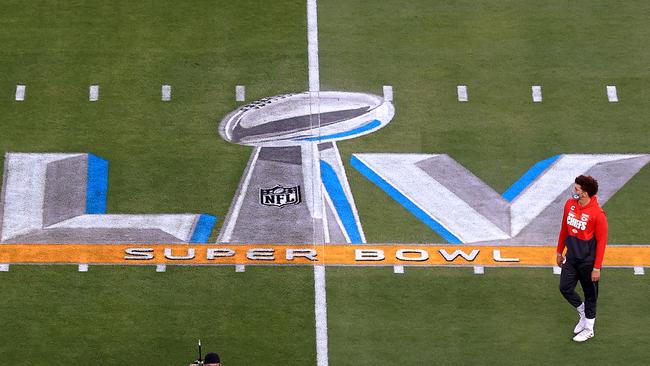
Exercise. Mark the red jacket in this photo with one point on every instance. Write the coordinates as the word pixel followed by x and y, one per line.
pixel 583 232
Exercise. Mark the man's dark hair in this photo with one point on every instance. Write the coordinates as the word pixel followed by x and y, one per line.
pixel 211 358
pixel 588 184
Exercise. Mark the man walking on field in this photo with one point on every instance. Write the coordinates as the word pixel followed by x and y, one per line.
pixel 584 235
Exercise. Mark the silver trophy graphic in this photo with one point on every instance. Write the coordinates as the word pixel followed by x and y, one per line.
pixel 294 188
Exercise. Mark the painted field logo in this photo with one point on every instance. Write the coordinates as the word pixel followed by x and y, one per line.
pixel 280 196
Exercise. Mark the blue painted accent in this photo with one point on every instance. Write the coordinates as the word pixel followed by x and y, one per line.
pixel 341 204
pixel 528 177
pixel 203 228
pixel 96 185
pixel 404 201
pixel 367 127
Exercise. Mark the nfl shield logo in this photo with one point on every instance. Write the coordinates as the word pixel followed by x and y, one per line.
pixel 280 196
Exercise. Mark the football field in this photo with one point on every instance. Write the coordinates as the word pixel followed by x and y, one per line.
pixel 168 157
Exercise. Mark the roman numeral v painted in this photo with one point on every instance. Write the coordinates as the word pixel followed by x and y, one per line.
pixel 463 209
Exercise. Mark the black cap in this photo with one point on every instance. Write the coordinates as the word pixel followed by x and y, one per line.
pixel 211 358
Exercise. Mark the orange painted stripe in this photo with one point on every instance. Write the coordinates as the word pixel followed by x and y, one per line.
pixel 219 254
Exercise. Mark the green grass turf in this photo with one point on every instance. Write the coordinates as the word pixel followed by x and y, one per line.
pixel 447 316
pixel 167 157
pixel 135 316
pixel 498 49
pixel 164 157
pixel 132 315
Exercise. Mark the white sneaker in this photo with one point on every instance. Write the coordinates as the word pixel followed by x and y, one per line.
pixel 582 323
pixel 584 335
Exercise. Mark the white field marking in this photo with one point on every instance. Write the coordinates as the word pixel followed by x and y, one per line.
pixel 166 91
pixel 329 202
pixel 326 230
pixel 612 95
pixel 312 45
pixel 25 191
pixel 83 267
pixel 93 94
pixel 388 93
pixel 398 269
pixel 240 93
pixel 437 201
pixel 178 225
pixel 462 93
pixel 4 267
pixel 160 268
pixel 232 220
pixel 639 271
pixel 320 310
pixel 557 270
pixel 311 178
pixel 479 270
pixel 537 93
pixel 20 93
pixel 240 268
pixel 348 192
pixel 313 189
pixel 553 183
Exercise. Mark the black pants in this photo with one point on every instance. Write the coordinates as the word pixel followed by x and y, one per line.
pixel 571 274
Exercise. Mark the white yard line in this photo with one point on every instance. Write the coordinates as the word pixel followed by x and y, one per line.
pixel 320 294
pixel 93 93
pixel 320 309
pixel 312 46
pixel 612 95
pixel 20 93
pixel 166 91
pixel 388 93
pixel 232 220
pixel 461 90
pixel 240 93
pixel 537 93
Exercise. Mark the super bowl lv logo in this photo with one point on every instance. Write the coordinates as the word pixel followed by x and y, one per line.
pixel 295 188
